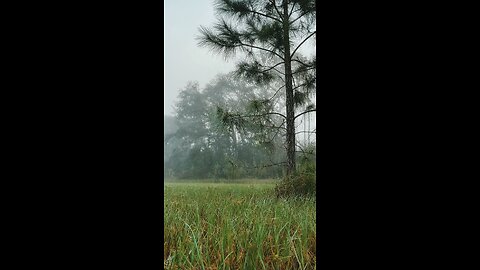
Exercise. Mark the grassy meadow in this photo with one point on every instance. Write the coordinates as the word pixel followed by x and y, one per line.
pixel 236 226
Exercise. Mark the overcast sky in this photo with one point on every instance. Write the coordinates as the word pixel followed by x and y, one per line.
pixel 184 60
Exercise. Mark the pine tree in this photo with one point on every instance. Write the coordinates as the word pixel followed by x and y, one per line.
pixel 270 34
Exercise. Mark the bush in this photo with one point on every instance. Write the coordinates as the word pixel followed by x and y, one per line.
pixel 301 184
pixel 298 185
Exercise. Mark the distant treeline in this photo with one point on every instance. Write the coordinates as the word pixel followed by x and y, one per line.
pixel 198 144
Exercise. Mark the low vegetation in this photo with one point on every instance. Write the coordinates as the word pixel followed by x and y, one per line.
pixel 237 226
pixel 303 182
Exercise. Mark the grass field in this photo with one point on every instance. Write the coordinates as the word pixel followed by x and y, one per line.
pixel 236 226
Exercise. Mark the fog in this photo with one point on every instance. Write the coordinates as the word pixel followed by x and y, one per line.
pixel 207 152
pixel 227 148
pixel 184 60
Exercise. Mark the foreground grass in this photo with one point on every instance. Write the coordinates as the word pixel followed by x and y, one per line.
pixel 236 226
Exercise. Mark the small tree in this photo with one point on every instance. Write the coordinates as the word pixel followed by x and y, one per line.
pixel 270 33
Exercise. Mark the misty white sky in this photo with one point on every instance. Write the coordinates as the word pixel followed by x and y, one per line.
pixel 184 60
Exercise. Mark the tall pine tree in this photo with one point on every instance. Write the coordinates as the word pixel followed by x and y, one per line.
pixel 270 34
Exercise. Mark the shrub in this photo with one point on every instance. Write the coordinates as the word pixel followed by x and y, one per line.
pixel 300 184
pixel 304 181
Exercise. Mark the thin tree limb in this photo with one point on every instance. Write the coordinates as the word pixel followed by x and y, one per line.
pixel 278 12
pixel 300 71
pixel 309 111
pixel 314 32
pixel 279 71
pixel 305 131
pixel 268 165
pixel 261 115
pixel 306 12
pixel 276 92
pixel 270 68
pixel 291 10
pixel 296 60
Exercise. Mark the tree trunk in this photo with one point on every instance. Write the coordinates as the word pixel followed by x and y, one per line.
pixel 289 93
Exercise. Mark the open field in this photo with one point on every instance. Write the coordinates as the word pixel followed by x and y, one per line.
pixel 236 226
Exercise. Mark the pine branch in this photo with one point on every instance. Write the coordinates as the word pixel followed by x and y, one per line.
pixel 265 15
pixel 260 48
pixel 273 67
pixel 240 9
pixel 304 70
pixel 228 41
pixel 221 45
pixel 307 6
pixel 275 6
pixel 279 49
pixel 261 115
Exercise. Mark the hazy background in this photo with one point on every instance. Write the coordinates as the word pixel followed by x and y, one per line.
pixel 183 60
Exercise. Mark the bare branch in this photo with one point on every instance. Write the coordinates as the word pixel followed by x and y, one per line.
pixel 305 131
pixel 296 60
pixel 269 165
pixel 306 12
pixel 279 71
pixel 276 133
pixel 276 92
pixel 281 78
pixel 309 111
pixel 291 10
pixel 303 152
pixel 298 86
pixel 278 127
pixel 301 148
pixel 314 32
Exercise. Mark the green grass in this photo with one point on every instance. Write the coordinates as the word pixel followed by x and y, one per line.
pixel 222 181
pixel 237 226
